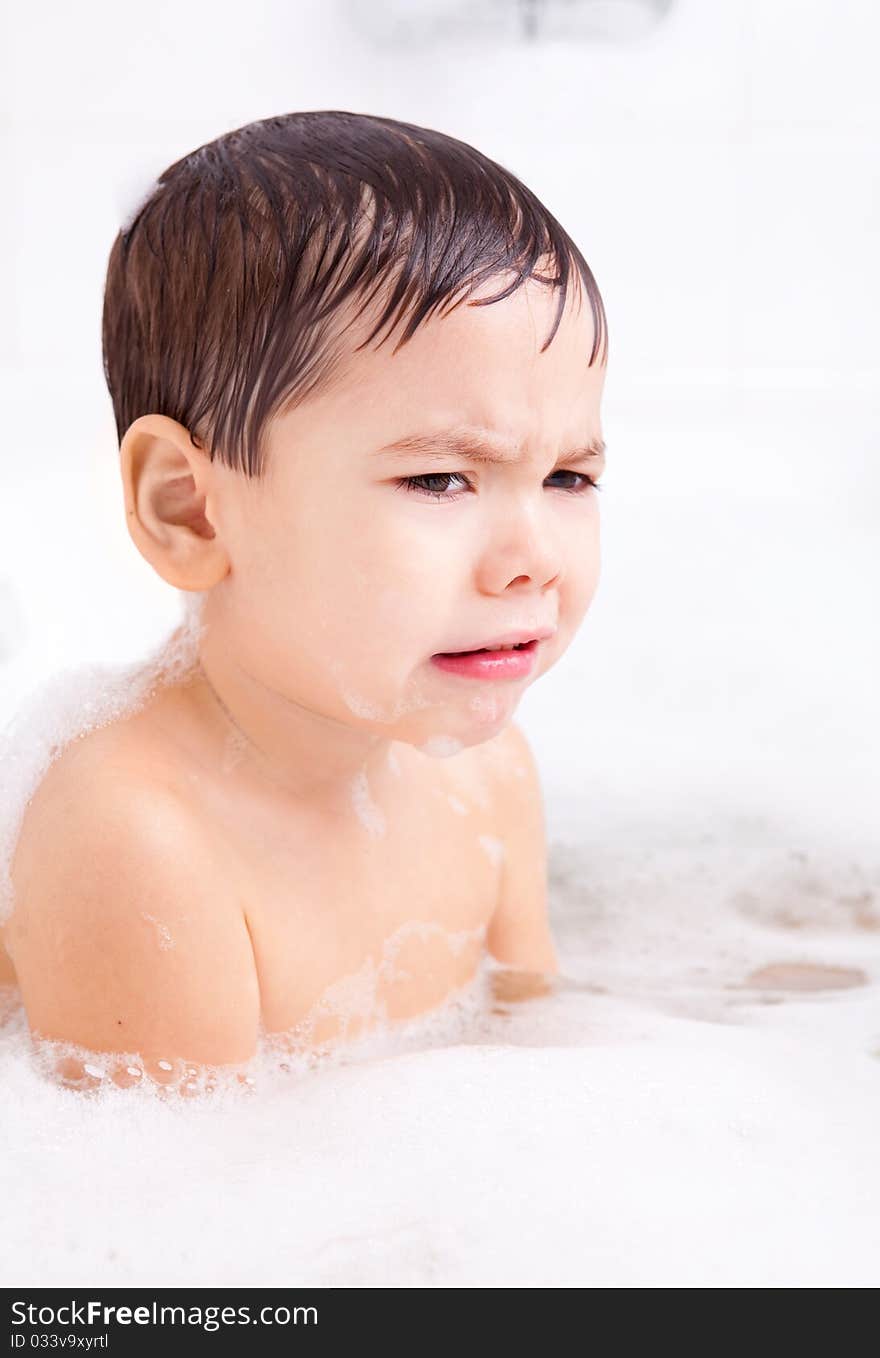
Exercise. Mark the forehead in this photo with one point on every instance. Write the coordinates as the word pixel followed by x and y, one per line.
pixel 479 365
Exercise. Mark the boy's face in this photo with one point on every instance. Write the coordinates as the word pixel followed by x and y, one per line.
pixel 343 582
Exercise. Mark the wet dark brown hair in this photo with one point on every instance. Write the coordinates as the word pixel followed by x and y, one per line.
pixel 225 294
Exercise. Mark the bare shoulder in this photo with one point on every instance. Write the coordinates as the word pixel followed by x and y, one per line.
pixel 122 935
pixel 519 933
pixel 105 791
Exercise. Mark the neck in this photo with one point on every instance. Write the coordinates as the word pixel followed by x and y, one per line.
pixel 266 736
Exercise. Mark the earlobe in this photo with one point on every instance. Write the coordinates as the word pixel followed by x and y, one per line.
pixel 166 482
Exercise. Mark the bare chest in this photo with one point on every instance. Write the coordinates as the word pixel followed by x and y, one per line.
pixel 378 917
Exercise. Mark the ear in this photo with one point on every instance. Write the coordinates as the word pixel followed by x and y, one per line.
pixel 168 484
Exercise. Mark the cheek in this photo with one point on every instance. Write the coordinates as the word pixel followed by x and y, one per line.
pixel 580 577
pixel 392 580
pixel 583 559
pixel 352 597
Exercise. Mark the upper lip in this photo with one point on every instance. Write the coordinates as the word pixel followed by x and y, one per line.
pixel 510 639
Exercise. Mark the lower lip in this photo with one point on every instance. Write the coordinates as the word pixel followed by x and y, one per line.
pixel 490 664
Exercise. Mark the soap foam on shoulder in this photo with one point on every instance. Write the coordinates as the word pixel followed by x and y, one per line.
pixel 69 706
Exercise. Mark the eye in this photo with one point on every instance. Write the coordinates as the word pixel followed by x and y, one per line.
pixel 585 482
pixel 420 484
pixel 426 484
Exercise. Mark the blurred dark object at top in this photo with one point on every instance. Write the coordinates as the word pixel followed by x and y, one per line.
pixel 402 23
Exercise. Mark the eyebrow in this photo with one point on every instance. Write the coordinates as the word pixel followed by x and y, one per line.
pixel 475 445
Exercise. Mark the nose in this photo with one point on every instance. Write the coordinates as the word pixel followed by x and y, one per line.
pixel 523 549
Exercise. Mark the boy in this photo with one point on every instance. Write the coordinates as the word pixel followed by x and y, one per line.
pixel 331 815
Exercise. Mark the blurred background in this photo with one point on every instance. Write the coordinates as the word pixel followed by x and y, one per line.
pixel 716 161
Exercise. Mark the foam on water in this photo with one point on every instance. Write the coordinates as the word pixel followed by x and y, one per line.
pixel 692 1101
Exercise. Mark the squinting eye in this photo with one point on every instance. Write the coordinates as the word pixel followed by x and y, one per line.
pixel 586 482
pixel 417 484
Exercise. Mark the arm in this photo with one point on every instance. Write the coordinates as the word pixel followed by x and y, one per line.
pixel 519 931
pixel 122 938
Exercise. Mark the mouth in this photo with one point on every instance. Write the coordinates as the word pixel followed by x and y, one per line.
pixel 513 661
